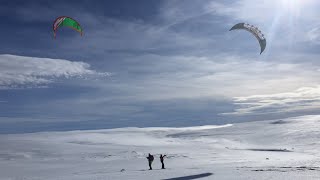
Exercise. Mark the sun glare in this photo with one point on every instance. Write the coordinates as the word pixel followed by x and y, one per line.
pixel 292 6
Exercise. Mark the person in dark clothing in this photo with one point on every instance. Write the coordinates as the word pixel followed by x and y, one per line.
pixel 161 160
pixel 150 160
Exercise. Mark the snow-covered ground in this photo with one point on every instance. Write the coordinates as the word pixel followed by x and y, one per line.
pixel 284 149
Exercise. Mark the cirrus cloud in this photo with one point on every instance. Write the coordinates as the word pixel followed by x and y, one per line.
pixel 302 99
pixel 20 71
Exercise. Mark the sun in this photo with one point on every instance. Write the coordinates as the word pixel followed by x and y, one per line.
pixel 295 6
pixel 292 6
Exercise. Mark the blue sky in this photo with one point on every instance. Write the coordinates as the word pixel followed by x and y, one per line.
pixel 156 63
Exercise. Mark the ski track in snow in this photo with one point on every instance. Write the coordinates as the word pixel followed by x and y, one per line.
pixel 284 149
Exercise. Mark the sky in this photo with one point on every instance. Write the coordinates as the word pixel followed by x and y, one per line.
pixel 169 63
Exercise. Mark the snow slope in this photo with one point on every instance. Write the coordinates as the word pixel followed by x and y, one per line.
pixel 284 149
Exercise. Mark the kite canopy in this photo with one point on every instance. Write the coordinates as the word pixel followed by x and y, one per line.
pixel 253 30
pixel 68 22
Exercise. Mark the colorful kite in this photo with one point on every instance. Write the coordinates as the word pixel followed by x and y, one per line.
pixel 68 22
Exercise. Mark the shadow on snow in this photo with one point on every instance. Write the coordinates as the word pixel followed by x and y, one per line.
pixel 197 176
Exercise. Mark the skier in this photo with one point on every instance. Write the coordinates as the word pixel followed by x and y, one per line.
pixel 161 160
pixel 150 160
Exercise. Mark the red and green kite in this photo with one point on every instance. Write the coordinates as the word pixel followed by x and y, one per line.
pixel 68 22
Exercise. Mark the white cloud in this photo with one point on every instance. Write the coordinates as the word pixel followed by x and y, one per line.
pixel 155 77
pixel 302 99
pixel 314 35
pixel 18 71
